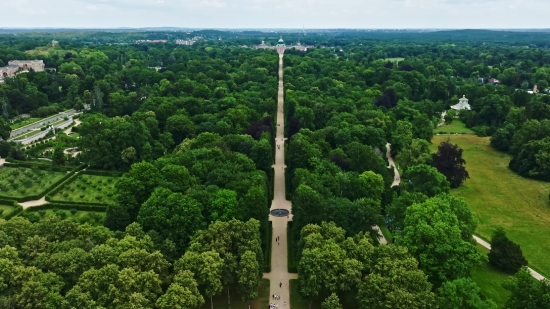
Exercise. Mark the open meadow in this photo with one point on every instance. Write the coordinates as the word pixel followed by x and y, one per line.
pixel 499 197
pixel 456 126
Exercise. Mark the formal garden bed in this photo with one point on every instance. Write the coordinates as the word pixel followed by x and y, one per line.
pixel 21 182
pixel 86 189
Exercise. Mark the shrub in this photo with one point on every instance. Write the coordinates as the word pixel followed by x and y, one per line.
pixel 60 213
pixel 1 211
pixel 81 195
pixel 42 213
pixel 505 254
pixel 31 216
pixel 73 211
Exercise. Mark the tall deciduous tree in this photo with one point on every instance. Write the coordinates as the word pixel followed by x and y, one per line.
pixel 182 293
pixel 527 292
pixel 462 293
pixel 395 282
pixel 449 162
pixel 331 302
pixel 248 274
pixel 426 180
pixel 505 254
pixel 433 235
pixel 207 268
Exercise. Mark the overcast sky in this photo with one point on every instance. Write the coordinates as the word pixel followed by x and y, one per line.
pixel 276 13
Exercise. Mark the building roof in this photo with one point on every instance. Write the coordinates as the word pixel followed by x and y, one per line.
pixel 25 61
pixel 462 104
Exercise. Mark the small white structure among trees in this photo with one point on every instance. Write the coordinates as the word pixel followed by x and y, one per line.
pixel 462 104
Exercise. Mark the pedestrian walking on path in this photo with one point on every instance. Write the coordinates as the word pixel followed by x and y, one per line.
pixel 280 284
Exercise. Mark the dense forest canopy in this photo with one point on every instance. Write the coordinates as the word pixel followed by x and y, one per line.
pixel 191 129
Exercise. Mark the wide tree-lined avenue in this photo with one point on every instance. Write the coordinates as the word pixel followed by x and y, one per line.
pixel 279 276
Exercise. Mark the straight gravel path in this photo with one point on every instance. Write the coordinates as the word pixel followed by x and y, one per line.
pixel 279 276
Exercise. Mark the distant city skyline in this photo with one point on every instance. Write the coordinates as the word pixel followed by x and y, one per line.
pixel 313 14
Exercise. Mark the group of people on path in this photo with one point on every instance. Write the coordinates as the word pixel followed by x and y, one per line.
pixel 277 239
pixel 276 297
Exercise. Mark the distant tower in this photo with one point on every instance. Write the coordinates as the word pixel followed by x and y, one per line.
pixel 5 110
pixel 281 46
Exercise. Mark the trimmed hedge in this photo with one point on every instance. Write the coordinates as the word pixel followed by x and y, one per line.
pixel 103 173
pixel 66 206
pixel 292 267
pixel 38 165
pixel 16 211
pixel 267 251
pixel 77 203
pixel 7 202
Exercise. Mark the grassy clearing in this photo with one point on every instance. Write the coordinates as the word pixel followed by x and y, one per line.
pixel 456 126
pixel 499 197
pixel 6 210
pixel 386 232
pixel 87 188
pixel 24 122
pixel 220 301
pixel 490 281
pixel 396 59
pixel 20 181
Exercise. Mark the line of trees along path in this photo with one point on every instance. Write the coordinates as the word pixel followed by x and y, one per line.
pixel 279 276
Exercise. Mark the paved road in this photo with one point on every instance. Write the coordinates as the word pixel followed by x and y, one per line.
pixel 279 269
pixel 480 241
pixel 41 123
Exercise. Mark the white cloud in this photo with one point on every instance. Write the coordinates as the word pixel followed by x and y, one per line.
pixel 277 13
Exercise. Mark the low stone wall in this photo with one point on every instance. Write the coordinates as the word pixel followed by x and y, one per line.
pixel 41 123
pixel 31 139
pixel 64 124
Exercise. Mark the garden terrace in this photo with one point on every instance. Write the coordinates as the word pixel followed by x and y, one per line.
pixel 23 182
pixel 84 189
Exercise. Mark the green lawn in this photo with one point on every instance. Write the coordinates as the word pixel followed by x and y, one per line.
pixel 87 188
pixel 456 126
pixel 25 122
pixel 499 197
pixel 6 210
pixel 386 232
pixel 20 182
pixel 262 302
pixel 490 281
